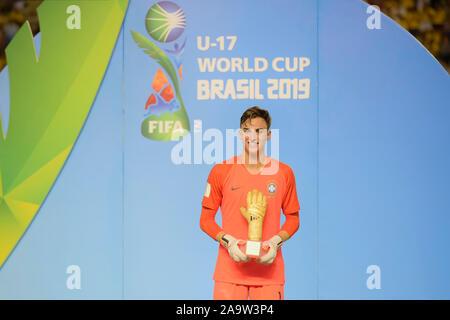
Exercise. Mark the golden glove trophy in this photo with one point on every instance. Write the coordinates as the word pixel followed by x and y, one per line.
pixel 254 214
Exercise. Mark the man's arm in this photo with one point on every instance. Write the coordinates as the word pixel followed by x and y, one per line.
pixel 290 226
pixel 211 202
pixel 290 207
pixel 208 223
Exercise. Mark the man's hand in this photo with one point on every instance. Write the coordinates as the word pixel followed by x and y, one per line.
pixel 231 244
pixel 273 244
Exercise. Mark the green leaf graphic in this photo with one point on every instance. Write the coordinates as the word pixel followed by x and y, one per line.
pixel 50 99
pixel 181 115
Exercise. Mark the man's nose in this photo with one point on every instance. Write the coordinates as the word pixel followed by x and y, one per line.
pixel 253 136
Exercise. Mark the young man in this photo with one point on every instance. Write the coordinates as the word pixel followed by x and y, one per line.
pixel 250 186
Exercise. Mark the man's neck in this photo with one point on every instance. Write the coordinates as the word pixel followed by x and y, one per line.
pixel 256 161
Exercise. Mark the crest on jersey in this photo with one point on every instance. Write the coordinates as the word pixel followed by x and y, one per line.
pixel 271 188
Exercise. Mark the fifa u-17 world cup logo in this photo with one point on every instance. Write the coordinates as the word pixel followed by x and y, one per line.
pixel 165 115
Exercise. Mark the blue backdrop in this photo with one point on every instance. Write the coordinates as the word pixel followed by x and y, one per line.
pixel 368 148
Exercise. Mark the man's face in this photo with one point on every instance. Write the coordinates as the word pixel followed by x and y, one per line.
pixel 254 135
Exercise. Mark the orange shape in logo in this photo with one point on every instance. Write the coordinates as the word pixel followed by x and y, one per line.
pixel 180 70
pixel 159 80
pixel 167 93
pixel 151 100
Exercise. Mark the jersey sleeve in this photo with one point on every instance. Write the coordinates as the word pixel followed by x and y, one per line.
pixel 290 201
pixel 208 223
pixel 291 224
pixel 212 198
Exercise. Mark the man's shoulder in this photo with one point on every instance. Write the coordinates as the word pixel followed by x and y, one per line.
pixel 284 168
pixel 221 169
pixel 227 163
pixel 231 161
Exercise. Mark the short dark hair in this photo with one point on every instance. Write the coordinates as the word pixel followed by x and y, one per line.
pixel 256 112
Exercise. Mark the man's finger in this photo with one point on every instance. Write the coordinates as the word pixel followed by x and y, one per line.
pixel 241 255
pixel 265 258
pixel 268 263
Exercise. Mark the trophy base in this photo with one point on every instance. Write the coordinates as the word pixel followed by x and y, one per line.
pixel 253 249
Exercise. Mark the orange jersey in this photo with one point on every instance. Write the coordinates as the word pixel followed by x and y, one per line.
pixel 227 188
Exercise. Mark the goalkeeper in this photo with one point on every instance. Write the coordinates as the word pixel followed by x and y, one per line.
pixel 251 189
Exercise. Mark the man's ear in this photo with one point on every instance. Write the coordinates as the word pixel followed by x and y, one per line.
pixel 268 134
pixel 241 134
